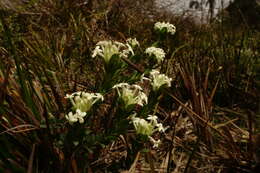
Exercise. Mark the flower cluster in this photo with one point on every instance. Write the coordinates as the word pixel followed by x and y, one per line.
pixel 160 26
pixel 148 127
pixel 78 116
pixel 158 53
pixel 81 102
pixel 158 80
pixel 142 126
pixel 132 42
pixel 106 49
pixel 131 94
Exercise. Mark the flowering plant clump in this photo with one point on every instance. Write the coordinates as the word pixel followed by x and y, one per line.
pixel 158 80
pixel 81 102
pixel 131 94
pixel 158 53
pixel 161 26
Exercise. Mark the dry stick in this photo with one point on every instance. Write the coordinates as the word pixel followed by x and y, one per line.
pixel 30 164
pixel 250 140
pixel 195 114
pixel 133 65
pixel 16 129
pixel 173 136
pixel 133 166
pixel 192 154
pixel 45 115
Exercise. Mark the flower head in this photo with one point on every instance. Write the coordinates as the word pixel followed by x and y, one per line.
pixel 128 51
pixel 131 94
pixel 158 53
pixel 160 127
pixel 155 142
pixel 83 101
pixel 107 49
pixel 145 127
pixel 158 80
pixel 161 26
pixel 77 116
pixel 153 119
pixel 132 42
pixel 142 126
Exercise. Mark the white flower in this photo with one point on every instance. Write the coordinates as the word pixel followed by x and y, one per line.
pixel 107 49
pixel 131 94
pixel 132 42
pixel 147 128
pixel 154 122
pixel 158 53
pixel 121 85
pixel 170 28
pixel 71 118
pixel 159 80
pixel 160 127
pixel 143 78
pixel 155 143
pixel 137 87
pixel 76 143
pixel 97 52
pixel 126 52
pixel 142 99
pixel 83 101
pixel 142 126
pixel 68 96
pixel 153 119
pixel 78 116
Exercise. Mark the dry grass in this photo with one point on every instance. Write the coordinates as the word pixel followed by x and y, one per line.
pixel 212 109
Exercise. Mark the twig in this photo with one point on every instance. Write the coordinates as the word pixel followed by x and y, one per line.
pixel 30 164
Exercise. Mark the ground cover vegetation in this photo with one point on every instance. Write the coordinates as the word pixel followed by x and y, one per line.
pixel 114 86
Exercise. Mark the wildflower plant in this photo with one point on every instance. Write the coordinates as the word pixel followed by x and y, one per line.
pixel 164 31
pixel 81 104
pixel 84 125
pixel 113 53
pixel 147 127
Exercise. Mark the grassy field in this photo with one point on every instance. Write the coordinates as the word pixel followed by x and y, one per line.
pixel 78 95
